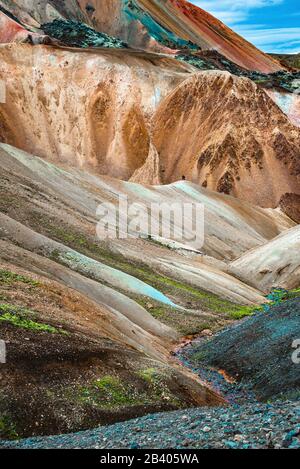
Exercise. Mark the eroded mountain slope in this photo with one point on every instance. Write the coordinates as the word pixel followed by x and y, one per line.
pixel 86 109
pixel 131 115
pixel 72 362
pixel 227 134
pixel 196 25
pixel 10 30
pixel 51 213
pixel 108 355
pixel 225 219
pixel 91 323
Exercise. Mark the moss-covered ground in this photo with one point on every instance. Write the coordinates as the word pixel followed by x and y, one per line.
pixel 24 318
pixel 112 392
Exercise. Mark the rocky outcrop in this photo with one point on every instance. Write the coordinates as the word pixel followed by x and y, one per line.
pixel 76 34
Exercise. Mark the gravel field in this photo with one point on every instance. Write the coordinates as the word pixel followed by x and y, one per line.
pixel 274 425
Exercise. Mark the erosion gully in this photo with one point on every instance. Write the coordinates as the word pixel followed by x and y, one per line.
pixel 234 392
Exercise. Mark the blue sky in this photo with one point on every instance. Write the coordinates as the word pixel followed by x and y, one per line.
pixel 272 25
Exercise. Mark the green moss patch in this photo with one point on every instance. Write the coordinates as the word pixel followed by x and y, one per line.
pixel 294 293
pixel 111 392
pixel 208 300
pixel 150 375
pixel 108 392
pixel 7 428
pixel 9 278
pixel 243 312
pixel 25 319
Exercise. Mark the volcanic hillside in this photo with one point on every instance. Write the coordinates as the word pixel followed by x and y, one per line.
pixel 122 98
pixel 156 25
pixel 148 118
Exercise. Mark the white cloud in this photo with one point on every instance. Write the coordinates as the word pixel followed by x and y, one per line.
pixel 272 40
pixel 233 11
pixel 236 13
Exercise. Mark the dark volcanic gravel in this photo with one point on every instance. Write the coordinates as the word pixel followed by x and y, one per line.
pixel 248 426
pixel 257 350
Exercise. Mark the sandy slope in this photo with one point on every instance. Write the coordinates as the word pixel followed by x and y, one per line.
pixel 277 263
pixel 73 197
pixel 225 219
pixel 133 323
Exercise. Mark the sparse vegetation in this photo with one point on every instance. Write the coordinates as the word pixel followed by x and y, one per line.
pixel 110 392
pixel 188 296
pixel 8 278
pixel 107 392
pixel 150 375
pixel 198 357
pixel 216 311
pixel 24 318
pixel 289 60
pixel 7 428
pixel 243 312
pixel 294 293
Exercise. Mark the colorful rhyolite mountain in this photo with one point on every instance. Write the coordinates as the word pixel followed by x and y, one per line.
pixel 152 24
